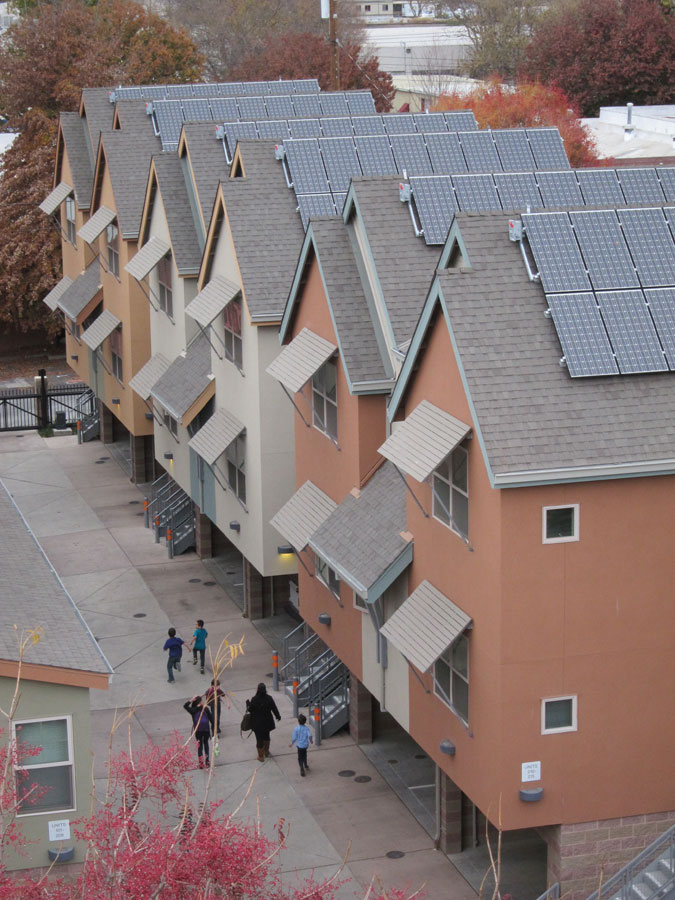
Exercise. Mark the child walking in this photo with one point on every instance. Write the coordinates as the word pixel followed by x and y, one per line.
pixel 302 736
pixel 202 727
pixel 175 647
pixel 198 643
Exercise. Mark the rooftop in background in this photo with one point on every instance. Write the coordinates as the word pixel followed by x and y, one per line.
pixel 413 49
pixel 650 134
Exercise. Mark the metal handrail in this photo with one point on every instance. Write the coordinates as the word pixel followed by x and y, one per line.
pixel 553 893
pixel 285 642
pixel 300 651
pixel 621 882
pixel 314 683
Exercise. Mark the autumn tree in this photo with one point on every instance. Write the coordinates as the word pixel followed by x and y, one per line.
pixel 527 106
pixel 309 56
pixel 606 52
pixel 500 32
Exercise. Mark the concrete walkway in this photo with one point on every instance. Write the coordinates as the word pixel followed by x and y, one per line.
pixel 88 518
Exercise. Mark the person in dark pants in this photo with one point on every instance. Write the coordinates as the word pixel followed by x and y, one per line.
pixel 262 708
pixel 202 727
pixel 215 695
pixel 198 644
pixel 175 647
pixel 303 737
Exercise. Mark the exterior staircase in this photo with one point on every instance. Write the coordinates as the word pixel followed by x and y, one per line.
pixel 169 511
pixel 87 417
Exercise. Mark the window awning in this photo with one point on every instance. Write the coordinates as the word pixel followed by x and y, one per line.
pixel 216 435
pixel 303 514
pixel 421 443
pixel 81 292
pixel 212 300
pixel 148 375
pixel 96 225
pixel 147 258
pixel 423 628
pixel 186 380
pixel 53 297
pixel 52 201
pixel 301 359
pixel 100 329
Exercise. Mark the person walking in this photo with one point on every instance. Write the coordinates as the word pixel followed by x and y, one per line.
pixel 202 727
pixel 302 736
pixel 198 644
pixel 213 698
pixel 262 708
pixel 175 647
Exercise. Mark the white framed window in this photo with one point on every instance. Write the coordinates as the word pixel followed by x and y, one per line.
pixel 560 524
pixel 324 399
pixel 559 714
pixel 165 276
pixel 327 575
pixel 71 226
pixel 48 785
pixel 112 237
pixel 450 483
pixel 236 467
pixel 451 677
pixel 171 424
pixel 232 320
pixel 360 603
pixel 116 353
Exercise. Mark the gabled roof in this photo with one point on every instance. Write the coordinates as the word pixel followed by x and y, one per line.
pixel 184 242
pixel 127 157
pixel 207 161
pixel 95 105
pixel 74 139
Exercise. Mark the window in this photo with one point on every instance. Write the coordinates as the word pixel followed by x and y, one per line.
pixel 451 677
pixel 71 233
pixel 385 7
pixel 113 240
pixel 451 491
pixel 171 424
pixel 560 524
pixel 327 575
pixel 202 417
pixel 324 399
pixel 116 353
pixel 232 316
pixel 360 603
pixel 47 785
pixel 558 714
pixel 165 274
pixel 398 9
pixel 367 7
pixel 236 467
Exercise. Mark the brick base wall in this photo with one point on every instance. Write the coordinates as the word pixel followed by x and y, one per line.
pixel 203 535
pixel 106 423
pixel 142 458
pixel 254 606
pixel 583 855
pixel 360 711
pixel 450 838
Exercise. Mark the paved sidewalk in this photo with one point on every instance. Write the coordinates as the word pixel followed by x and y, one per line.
pixel 88 518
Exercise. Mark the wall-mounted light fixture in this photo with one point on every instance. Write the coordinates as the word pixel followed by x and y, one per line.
pixel 149 417
pixel 531 795
pixel 168 456
pixel 116 401
pixel 448 748
pixel 235 526
pixel 324 618
pixel 284 548
pixel 74 356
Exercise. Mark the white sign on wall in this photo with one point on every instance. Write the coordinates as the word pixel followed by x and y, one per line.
pixel 531 771
pixel 59 830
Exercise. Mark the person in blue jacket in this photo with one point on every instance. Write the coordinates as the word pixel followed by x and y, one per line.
pixel 175 647
pixel 198 643
pixel 202 728
pixel 302 736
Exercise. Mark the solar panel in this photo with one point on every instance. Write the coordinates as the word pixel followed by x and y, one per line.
pixel 205 90
pixel 398 123
pixel 169 118
pixel 306 167
pixel 480 151
pixel 224 109
pixel 333 105
pixel 237 131
pixel 667 179
pixel 556 252
pixel 368 124
pixel 445 153
pixel 670 217
pixel 547 148
pixel 600 187
pixel 518 190
pixel 661 302
pixel 340 160
pixel 651 245
pixel 273 129
pixel 425 122
pixel 559 189
pixel 476 193
pixel 375 155
pixel 436 206
pixel 231 89
pixel 360 103
pixel 640 185
pixel 252 108
pixel 128 93
pixel 304 128
pixel 307 105
pixel 604 250
pixel 279 87
pixel 306 85
pixel 179 91
pixel 315 205
pixel 253 88
pixel 514 150
pixel 339 199
pixel 196 110
pixel 582 335
pixel 461 120
pixel 154 92
pixel 337 127
pixel 631 332
pixel 410 153
pixel 280 107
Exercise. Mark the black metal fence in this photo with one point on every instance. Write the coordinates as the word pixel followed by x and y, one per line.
pixel 42 406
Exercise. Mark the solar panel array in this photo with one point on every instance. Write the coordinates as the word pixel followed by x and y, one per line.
pixel 609 279
pixel 216 89
pixel 437 199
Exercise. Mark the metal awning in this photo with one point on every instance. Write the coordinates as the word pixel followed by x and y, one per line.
pixel 52 201
pixel 216 435
pixel 301 359
pixel 100 329
pixel 82 291
pixel 53 297
pixel 303 514
pixel 147 258
pixel 187 380
pixel 421 443
pixel 148 375
pixel 96 225
pixel 425 625
pixel 212 300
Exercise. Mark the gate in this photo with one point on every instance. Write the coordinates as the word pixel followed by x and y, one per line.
pixel 43 406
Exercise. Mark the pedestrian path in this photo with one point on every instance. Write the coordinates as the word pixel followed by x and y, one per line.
pixel 88 518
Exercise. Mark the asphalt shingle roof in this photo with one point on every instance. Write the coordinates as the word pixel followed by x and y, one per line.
pixel 73 131
pixel 99 112
pixel 185 380
pixel 82 291
pixel 184 243
pixel 128 155
pixel 208 163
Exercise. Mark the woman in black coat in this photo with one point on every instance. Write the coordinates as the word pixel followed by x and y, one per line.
pixel 262 708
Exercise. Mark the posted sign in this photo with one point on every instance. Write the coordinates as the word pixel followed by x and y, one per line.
pixel 59 830
pixel 531 771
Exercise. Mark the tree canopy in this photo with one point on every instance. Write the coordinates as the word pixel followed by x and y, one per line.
pixel 500 31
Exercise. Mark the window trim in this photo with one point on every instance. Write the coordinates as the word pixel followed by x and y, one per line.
pixel 565 728
pixel 318 561
pixel 359 602
pixel 170 422
pixel 321 393
pixel 69 762
pixel 71 224
pixel 451 487
pixel 117 359
pixel 238 468
pixel 438 691
pixel 560 540
pixel 164 289
pixel 231 336
pixel 113 248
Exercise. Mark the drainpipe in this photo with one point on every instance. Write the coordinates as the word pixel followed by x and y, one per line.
pixel 629 128
pixel 437 833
